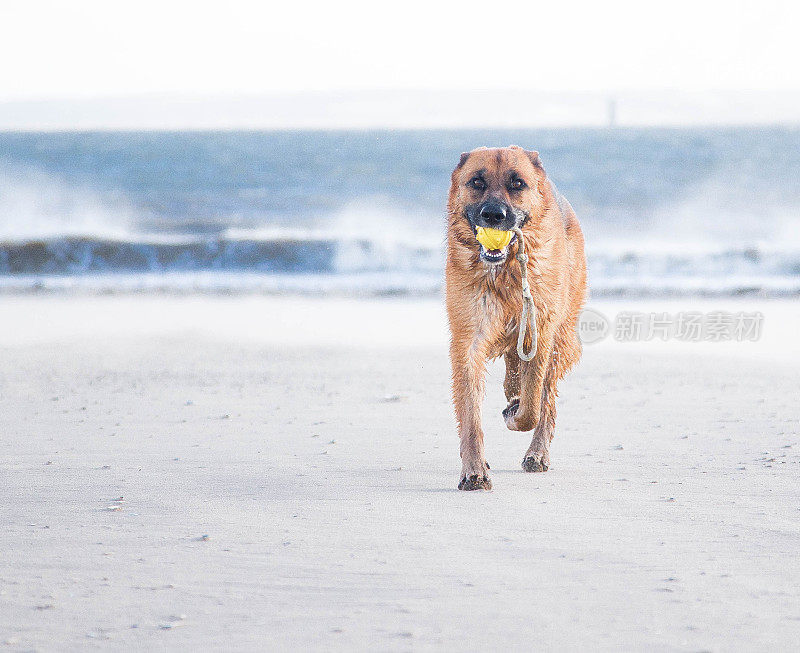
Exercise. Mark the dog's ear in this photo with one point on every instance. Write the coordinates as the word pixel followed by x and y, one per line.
pixel 533 155
pixel 452 199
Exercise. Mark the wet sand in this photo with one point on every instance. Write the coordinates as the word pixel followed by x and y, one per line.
pixel 274 473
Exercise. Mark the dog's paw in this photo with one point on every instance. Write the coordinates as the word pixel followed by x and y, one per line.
pixel 517 420
pixel 475 474
pixel 511 410
pixel 475 482
pixel 536 462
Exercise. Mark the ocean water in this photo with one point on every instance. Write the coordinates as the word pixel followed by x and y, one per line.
pixel 664 211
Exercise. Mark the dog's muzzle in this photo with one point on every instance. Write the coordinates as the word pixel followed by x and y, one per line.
pixel 494 214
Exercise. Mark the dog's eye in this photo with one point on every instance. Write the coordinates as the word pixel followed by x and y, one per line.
pixel 477 183
pixel 517 184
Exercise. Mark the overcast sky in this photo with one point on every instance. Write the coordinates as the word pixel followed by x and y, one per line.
pixel 76 49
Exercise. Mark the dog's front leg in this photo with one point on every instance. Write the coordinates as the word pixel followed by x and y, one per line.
pixel 468 361
pixel 524 416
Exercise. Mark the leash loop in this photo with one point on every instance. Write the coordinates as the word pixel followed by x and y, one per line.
pixel 528 307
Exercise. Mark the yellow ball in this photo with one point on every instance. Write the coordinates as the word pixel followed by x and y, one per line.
pixel 494 238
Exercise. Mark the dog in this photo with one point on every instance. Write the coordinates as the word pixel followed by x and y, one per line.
pixel 503 189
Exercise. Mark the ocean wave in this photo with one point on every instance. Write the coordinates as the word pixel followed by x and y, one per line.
pixel 76 255
pixel 664 211
pixel 370 284
pixel 278 261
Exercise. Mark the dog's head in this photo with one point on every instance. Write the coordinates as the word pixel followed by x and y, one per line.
pixel 498 188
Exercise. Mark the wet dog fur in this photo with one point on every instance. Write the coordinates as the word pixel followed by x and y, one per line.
pixel 504 188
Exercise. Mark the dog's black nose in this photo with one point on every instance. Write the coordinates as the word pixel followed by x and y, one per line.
pixel 493 213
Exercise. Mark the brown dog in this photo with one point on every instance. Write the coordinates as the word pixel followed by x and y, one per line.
pixel 502 189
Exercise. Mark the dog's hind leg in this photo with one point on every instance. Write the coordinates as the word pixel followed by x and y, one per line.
pixel 511 384
pixel 566 352
pixel 537 457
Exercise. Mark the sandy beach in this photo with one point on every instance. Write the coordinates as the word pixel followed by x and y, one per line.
pixel 264 473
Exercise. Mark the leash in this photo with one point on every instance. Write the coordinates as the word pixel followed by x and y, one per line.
pixel 528 307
